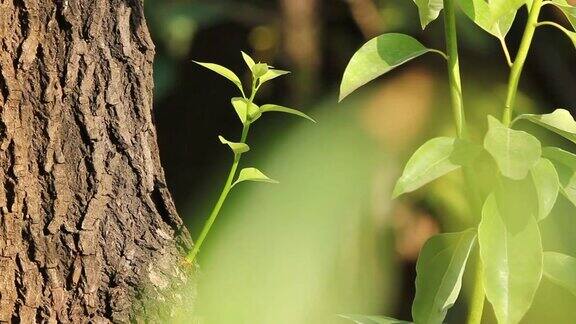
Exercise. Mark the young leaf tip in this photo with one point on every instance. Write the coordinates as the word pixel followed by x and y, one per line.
pixel 237 148
pixel 253 174
pixel 248 59
pixel 277 108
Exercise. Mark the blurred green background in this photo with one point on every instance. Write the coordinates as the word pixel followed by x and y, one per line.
pixel 328 240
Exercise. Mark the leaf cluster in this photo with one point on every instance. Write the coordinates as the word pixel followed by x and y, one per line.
pixel 526 183
pixel 248 112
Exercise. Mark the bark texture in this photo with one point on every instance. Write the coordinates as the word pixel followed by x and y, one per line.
pixel 88 229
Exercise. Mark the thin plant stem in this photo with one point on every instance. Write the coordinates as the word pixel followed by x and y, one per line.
pixel 553 24
pixel 506 51
pixel 227 186
pixel 518 65
pixel 225 191
pixel 456 93
pixel 477 301
pixel 460 119
pixel 454 68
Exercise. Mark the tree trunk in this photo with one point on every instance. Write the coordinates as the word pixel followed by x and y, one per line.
pixel 88 229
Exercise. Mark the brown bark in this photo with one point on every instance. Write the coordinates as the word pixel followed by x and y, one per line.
pixel 88 229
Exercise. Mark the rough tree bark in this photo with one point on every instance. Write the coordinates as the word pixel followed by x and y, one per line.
pixel 88 229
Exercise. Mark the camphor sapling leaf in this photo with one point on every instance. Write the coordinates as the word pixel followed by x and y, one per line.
pixel 560 122
pixel 248 112
pixel 440 268
pixel 494 16
pixel 259 70
pixel 547 186
pixel 515 152
pixel 252 174
pixel 277 108
pixel 522 179
pixel 225 72
pixel 272 74
pixel 565 164
pixel 429 162
pixel 249 61
pixel 512 259
pixel 561 269
pixel 377 57
pixel 428 10
pixel 237 148
pixel 241 108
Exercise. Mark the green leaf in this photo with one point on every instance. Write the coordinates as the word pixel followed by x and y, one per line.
pixel 516 197
pixel 378 56
pixel 547 186
pixel 565 163
pixel 259 70
pixel 237 148
pixel 269 107
pixel 495 16
pixel 252 174
pixel 515 152
pixel 247 112
pixel 241 107
pixel 369 319
pixel 512 259
pixel 272 74
pixel 560 122
pixel 249 61
pixel 432 160
pixel 561 269
pixel 439 270
pixel 223 71
pixel 428 10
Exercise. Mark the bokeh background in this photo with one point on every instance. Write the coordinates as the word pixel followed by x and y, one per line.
pixel 328 239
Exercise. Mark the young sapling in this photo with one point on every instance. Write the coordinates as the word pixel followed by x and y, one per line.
pixel 248 112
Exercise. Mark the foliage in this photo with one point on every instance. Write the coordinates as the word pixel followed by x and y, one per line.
pixel 527 178
pixel 248 112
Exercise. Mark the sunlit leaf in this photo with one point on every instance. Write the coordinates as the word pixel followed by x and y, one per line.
pixel 439 270
pixel 512 260
pixel 241 108
pixel 272 74
pixel 247 111
pixel 494 16
pixel 237 148
pixel 259 70
pixel 547 186
pixel 515 152
pixel 561 269
pixel 254 112
pixel 429 10
pixel 223 71
pixel 268 108
pixel 253 174
pixel 370 319
pixel 560 122
pixel 565 163
pixel 514 198
pixel 249 61
pixel 432 160
pixel 378 56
